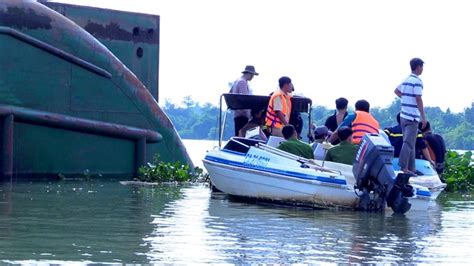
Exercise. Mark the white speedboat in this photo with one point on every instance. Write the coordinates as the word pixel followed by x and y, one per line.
pixel 251 169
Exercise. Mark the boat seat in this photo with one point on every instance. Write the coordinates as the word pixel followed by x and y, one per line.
pixel 274 141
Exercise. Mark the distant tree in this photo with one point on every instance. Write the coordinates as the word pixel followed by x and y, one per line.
pixel 319 114
pixel 189 102
pixel 469 114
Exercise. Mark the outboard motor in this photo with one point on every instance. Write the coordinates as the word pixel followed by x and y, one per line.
pixel 375 177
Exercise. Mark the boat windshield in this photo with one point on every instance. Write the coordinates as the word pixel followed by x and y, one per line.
pixel 241 145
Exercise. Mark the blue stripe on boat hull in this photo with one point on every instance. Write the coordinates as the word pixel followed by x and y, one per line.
pixel 293 174
pixel 277 171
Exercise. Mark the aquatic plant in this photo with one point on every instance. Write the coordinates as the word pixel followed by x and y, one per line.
pixel 459 171
pixel 159 171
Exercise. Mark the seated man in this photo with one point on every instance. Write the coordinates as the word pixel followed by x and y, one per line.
pixel 258 120
pixel 435 146
pixel 395 135
pixel 361 122
pixel 345 151
pixel 321 134
pixel 293 145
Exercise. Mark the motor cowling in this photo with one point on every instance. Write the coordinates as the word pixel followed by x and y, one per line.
pixel 375 177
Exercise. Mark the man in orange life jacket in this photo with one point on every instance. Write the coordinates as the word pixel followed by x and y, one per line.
pixel 279 108
pixel 361 122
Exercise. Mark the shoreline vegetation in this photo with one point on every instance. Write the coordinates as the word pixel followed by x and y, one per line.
pixel 459 171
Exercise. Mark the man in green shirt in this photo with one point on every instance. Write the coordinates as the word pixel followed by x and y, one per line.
pixel 345 151
pixel 293 145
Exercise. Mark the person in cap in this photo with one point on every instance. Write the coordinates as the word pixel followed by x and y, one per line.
pixel 279 107
pixel 293 145
pixel 412 112
pixel 320 145
pixel 241 86
pixel 361 122
pixel 345 151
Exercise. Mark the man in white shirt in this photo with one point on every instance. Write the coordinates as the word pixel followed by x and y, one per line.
pixel 241 86
pixel 412 112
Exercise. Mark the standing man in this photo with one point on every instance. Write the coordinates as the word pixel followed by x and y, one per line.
pixel 412 112
pixel 279 108
pixel 241 86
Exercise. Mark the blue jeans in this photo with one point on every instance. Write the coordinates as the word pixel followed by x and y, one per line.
pixel 407 153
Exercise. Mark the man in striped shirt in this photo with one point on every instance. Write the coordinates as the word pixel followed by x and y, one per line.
pixel 412 112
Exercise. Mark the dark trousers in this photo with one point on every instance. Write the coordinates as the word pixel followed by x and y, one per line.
pixel 239 122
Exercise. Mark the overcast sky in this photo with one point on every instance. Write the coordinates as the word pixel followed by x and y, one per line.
pixel 355 49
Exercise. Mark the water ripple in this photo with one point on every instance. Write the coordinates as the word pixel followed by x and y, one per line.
pixel 210 228
pixel 62 222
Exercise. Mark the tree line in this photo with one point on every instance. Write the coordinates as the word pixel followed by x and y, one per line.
pixel 200 121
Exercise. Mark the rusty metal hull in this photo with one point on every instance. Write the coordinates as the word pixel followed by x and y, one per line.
pixel 63 94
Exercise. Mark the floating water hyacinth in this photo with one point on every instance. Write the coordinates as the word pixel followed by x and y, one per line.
pixel 459 171
pixel 159 171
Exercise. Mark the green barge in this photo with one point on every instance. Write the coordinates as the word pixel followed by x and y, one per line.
pixel 79 92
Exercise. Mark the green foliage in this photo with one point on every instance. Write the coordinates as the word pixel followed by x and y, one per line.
pixel 160 171
pixel 195 121
pixel 459 171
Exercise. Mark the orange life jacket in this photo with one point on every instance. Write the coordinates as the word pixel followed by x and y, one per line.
pixel 272 120
pixel 362 124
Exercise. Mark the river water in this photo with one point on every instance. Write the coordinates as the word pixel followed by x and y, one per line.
pixel 103 221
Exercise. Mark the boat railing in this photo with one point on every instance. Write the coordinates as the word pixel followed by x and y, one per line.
pixel 308 162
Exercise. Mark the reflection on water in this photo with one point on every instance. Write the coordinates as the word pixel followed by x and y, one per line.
pixel 91 221
pixel 78 220
pixel 234 232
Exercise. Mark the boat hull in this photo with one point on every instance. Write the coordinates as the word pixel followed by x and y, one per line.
pixel 255 184
pixel 284 181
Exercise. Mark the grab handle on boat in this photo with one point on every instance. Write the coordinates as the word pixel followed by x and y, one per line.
pixel 311 163
pixel 314 165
